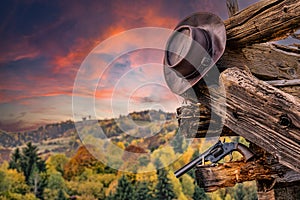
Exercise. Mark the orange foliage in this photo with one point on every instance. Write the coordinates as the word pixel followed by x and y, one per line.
pixel 81 160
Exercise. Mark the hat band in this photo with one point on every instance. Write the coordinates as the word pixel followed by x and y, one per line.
pixel 205 64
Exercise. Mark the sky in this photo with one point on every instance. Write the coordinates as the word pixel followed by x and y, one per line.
pixel 51 51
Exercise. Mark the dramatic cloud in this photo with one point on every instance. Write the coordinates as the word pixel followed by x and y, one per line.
pixel 43 44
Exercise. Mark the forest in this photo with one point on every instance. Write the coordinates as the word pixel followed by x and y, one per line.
pixel 33 174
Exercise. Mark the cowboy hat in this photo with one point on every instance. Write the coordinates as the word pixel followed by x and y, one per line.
pixel 193 48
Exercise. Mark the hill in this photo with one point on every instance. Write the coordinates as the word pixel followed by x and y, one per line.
pixel 63 137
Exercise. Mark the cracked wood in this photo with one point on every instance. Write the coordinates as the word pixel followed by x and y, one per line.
pixel 263 21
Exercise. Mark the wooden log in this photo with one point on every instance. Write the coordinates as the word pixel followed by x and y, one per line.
pixel 265 61
pixel 279 187
pixel 211 178
pixel 273 180
pixel 194 121
pixel 263 115
pixel 257 111
pixel 263 21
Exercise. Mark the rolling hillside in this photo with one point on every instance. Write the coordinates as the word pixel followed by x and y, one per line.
pixel 63 137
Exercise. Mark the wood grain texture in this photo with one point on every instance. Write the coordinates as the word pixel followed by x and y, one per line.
pixel 263 115
pixel 263 21
pixel 211 178
pixel 194 121
pixel 265 61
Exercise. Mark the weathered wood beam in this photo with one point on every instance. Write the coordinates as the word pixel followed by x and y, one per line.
pixel 271 177
pixel 194 121
pixel 265 61
pixel 257 111
pixel 286 181
pixel 211 178
pixel 263 115
pixel 263 21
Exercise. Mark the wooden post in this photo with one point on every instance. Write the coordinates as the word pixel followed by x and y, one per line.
pixel 263 21
pixel 264 115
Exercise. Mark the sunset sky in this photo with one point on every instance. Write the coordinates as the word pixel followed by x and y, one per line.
pixel 44 43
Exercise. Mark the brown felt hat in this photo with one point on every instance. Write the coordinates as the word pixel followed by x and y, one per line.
pixel 194 47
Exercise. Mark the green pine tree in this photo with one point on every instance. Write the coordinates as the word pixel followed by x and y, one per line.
pixel 199 194
pixel 164 189
pixel 15 160
pixel 61 195
pixel 142 191
pixel 125 190
pixel 30 160
pixel 32 166
pixel 239 192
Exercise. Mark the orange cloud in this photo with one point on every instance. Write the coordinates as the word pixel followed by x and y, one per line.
pixel 104 93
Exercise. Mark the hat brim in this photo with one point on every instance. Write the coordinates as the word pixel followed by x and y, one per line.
pixel 216 29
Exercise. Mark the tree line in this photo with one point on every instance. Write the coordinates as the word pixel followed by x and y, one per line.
pixel 28 176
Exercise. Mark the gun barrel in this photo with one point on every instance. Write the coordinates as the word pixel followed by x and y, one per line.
pixel 188 166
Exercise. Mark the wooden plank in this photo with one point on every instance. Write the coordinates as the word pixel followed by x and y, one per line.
pixel 263 115
pixel 263 21
pixel 265 61
pixel 211 178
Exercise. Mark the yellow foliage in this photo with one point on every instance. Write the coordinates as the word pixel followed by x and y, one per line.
pixel 184 159
pixel 166 155
pixel 228 197
pixel 149 176
pixel 188 186
pixel 121 145
pixel 182 196
pixel 176 183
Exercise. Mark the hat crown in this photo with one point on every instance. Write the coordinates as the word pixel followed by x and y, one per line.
pixel 187 59
pixel 182 45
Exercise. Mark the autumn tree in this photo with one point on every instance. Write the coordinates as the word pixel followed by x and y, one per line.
pixel 57 162
pixel 81 160
pixel 55 184
pixel 13 185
